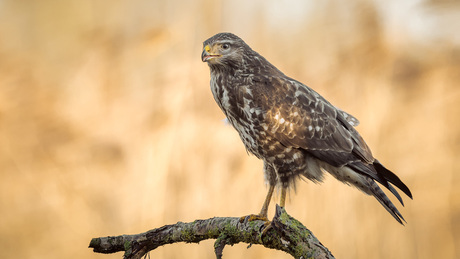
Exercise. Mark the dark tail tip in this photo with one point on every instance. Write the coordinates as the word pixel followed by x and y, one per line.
pixel 386 203
pixel 392 178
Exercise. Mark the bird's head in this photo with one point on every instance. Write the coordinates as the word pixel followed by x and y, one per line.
pixel 224 50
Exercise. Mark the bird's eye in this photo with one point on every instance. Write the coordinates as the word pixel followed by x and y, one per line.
pixel 225 46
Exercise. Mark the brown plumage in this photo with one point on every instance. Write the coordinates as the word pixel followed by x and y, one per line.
pixel 293 129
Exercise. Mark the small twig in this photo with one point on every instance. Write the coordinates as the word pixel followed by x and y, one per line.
pixel 286 234
pixel 219 248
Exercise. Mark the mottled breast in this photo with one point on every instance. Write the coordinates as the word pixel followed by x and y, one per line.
pixel 235 98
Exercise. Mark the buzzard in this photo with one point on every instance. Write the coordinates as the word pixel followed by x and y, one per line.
pixel 295 131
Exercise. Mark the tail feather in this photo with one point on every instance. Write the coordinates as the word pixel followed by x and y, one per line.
pixel 395 193
pixel 382 175
pixel 392 178
pixel 384 200
pixel 376 172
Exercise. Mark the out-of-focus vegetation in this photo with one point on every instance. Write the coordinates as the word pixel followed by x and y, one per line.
pixel 108 126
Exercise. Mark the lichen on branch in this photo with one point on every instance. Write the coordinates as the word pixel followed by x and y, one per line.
pixel 284 233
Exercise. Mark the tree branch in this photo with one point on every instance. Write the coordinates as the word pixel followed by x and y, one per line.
pixel 284 233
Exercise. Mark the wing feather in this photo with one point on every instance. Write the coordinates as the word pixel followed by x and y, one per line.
pixel 300 118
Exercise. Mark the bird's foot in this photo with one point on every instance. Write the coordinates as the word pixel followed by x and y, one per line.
pixel 268 226
pixel 253 217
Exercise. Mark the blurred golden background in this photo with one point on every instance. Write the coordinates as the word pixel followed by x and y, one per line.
pixel 108 125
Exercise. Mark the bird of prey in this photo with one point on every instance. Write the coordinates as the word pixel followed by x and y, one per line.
pixel 294 130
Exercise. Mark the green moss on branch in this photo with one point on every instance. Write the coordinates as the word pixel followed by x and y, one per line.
pixel 285 233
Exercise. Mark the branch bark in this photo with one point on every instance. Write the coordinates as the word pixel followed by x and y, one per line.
pixel 284 233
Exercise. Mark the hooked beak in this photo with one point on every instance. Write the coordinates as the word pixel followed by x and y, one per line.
pixel 207 54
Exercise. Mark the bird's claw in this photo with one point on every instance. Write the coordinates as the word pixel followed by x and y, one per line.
pixel 267 226
pixel 264 228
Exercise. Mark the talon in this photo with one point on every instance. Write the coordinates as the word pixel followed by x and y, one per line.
pixel 268 226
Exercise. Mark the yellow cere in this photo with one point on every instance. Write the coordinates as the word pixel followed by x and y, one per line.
pixel 207 48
